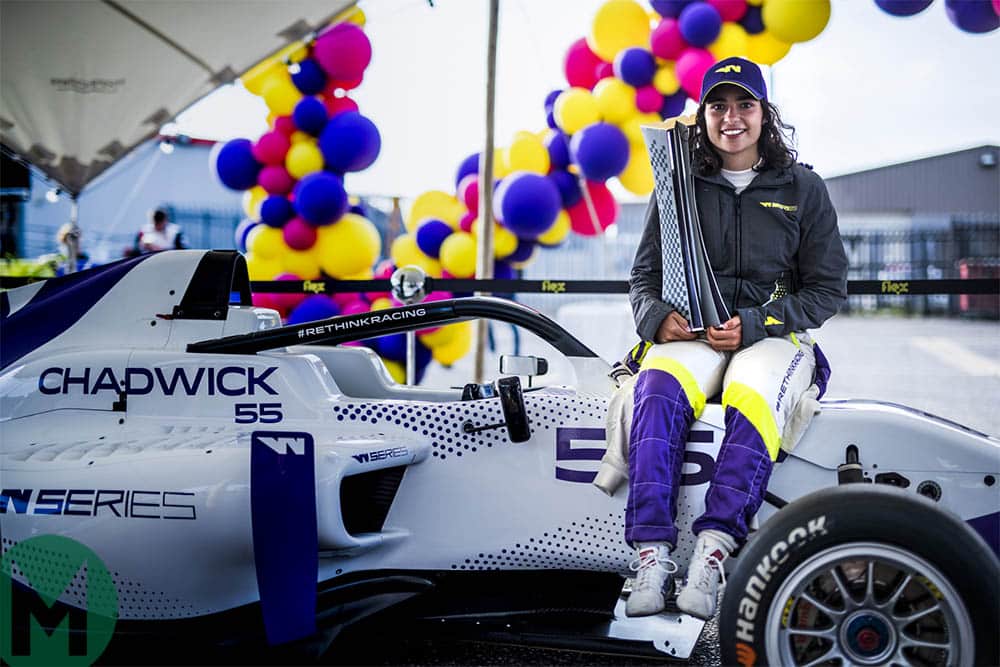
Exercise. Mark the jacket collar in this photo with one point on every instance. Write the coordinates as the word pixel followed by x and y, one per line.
pixel 769 178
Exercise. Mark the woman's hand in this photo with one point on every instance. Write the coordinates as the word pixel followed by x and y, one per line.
pixel 673 328
pixel 727 336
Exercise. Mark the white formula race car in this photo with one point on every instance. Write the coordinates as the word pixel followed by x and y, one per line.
pixel 239 480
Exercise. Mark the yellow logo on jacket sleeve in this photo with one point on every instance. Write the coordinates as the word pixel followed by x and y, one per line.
pixel 783 207
pixel 769 321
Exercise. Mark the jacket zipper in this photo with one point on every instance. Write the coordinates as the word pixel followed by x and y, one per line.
pixel 739 254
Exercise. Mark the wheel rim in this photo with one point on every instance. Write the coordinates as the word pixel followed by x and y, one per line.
pixel 867 604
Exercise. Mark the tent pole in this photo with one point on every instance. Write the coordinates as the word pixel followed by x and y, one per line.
pixel 484 257
pixel 72 240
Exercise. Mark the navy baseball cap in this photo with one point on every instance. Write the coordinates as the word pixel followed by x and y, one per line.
pixel 737 72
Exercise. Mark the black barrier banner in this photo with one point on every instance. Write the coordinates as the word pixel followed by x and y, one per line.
pixel 459 285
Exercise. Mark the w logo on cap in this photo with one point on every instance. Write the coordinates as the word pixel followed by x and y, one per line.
pixel 729 68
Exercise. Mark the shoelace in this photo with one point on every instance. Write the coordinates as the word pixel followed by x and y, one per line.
pixel 709 567
pixel 643 565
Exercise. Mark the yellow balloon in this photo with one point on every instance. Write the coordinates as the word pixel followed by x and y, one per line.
pixel 665 80
pixel 298 137
pixel 262 269
pixel 252 199
pixel 458 254
pixel 440 336
pixel 637 177
pixel 266 242
pixel 618 25
pixel 755 3
pixel 434 204
pixel 348 246
pixel 460 344
pixel 382 303
pixel 633 126
pixel 302 263
pixel 765 49
pixel 795 20
pixel 364 274
pixel 303 158
pixel 405 252
pixel 504 241
pixel 260 75
pixel 558 232
pixel 528 153
pixel 732 41
pixel 281 95
pixel 575 109
pixel 396 370
pixel 615 99
pixel 357 17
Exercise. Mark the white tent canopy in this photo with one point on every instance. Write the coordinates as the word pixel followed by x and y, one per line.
pixel 85 81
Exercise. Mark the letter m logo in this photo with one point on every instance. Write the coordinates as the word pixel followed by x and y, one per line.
pixel 283 443
pixel 729 68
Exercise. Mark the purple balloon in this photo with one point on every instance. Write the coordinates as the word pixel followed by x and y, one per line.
pixel 670 8
pixel 240 234
pixel 550 120
pixel 972 15
pixel 522 252
pixel 316 307
pixel 753 21
pixel 470 165
pixel 903 7
pixel 320 198
pixel 309 77
pixel 349 142
pixel 601 150
pixel 558 145
pixel 310 115
pixel 502 270
pixel 276 210
pixel 431 234
pixel 528 204
pixel 568 186
pixel 673 105
pixel 635 66
pixel 550 99
pixel 700 24
pixel 236 166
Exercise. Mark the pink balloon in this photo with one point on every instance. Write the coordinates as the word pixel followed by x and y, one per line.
pixel 285 125
pixel 276 180
pixel 355 307
pixel 666 40
pixel 580 64
pixel 336 105
pixel 343 51
pixel 299 234
pixel 996 6
pixel 604 70
pixel 691 68
pixel 271 148
pixel 264 300
pixel 287 302
pixel 605 207
pixel 383 271
pixel 648 99
pixel 342 84
pixel 468 192
pixel 730 10
pixel 465 222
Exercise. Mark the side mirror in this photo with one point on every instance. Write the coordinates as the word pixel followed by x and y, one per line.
pixel 514 414
pixel 517 365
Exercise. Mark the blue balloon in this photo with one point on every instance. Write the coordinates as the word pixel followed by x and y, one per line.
pixel 527 204
pixel 523 251
pixel 358 209
pixel 753 21
pixel 310 115
pixel 309 78
pixel 316 307
pixel 700 24
pixel 349 142
pixel 470 165
pixel 236 166
pixel 240 233
pixel 601 150
pixel 903 7
pixel 320 198
pixel 550 120
pixel 502 270
pixel 569 188
pixel 673 105
pixel 431 234
pixel 975 16
pixel 670 8
pixel 558 145
pixel 392 347
pixel 635 66
pixel 276 210
pixel 550 99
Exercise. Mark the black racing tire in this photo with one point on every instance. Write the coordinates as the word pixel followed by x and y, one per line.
pixel 872 544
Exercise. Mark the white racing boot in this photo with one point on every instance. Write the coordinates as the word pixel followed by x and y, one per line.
pixel 701 590
pixel 654 571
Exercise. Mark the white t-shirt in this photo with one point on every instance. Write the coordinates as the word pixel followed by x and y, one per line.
pixel 739 179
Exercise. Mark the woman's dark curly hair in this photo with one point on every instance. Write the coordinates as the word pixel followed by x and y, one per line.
pixel 773 145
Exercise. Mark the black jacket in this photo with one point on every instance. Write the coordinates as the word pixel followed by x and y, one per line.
pixel 780 231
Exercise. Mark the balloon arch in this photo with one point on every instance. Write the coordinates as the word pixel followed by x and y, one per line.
pixel 637 65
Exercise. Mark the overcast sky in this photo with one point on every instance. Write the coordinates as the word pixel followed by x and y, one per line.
pixel 872 89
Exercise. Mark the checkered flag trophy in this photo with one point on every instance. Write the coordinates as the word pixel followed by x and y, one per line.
pixel 688 282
